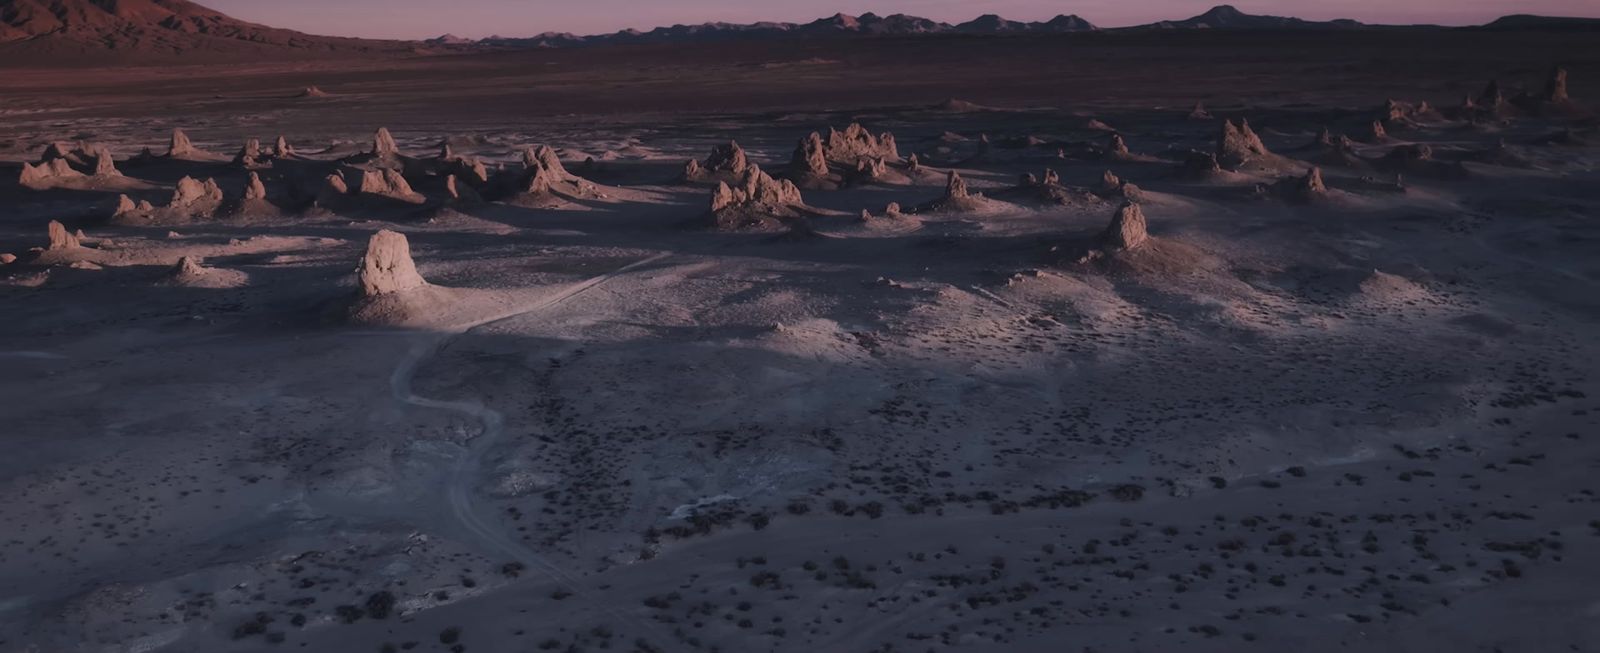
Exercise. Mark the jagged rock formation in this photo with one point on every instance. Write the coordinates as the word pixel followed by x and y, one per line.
pixel 808 167
pixel 1307 189
pixel 194 193
pixel 543 179
pixel 383 144
pixel 1127 231
pixel 1117 148
pixel 1552 100
pixel 182 149
pixel 104 164
pixel 47 174
pixel 282 149
pixel 1199 112
pixel 250 155
pixel 1112 187
pixel 61 239
pixel 855 143
pixel 387 267
pixel 388 183
pixel 1238 145
pixel 757 201
pixel 726 163
pixel 957 197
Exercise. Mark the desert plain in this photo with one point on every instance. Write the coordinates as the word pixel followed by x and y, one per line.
pixel 1191 341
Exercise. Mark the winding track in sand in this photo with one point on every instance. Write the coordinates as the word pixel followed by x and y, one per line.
pixel 464 474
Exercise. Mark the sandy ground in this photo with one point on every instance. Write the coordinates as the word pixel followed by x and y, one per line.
pixel 1364 423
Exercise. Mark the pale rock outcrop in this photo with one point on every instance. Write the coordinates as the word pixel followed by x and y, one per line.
pixel 757 200
pixel 383 144
pixel 1238 144
pixel 855 142
pixel 810 157
pixel 180 146
pixel 254 189
pixel 388 183
pixel 61 239
pixel 282 149
pixel 250 155
pixel 1306 189
pixel 45 175
pixel 104 164
pixel 387 267
pixel 192 193
pixel 1127 231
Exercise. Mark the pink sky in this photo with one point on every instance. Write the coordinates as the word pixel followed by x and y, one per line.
pixel 477 18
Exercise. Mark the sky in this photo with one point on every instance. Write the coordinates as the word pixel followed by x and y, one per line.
pixel 415 19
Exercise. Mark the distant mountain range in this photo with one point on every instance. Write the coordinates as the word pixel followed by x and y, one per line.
pixel 129 29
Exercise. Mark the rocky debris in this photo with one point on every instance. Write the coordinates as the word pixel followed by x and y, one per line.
pixel 1238 144
pixel 61 239
pixel 1199 112
pixel 387 267
pixel 384 145
pixel 757 200
pixel 855 143
pixel 1127 230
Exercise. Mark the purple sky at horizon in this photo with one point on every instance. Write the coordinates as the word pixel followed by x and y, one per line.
pixel 478 18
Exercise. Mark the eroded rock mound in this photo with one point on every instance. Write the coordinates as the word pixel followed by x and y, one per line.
pixel 387 266
pixel 1127 231
pixel 388 183
pixel 61 239
pixel 855 143
pixel 47 175
pixel 809 166
pixel 1199 112
pixel 384 145
pixel 726 163
pixel 756 201
pixel 1238 145
pixel 1305 190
